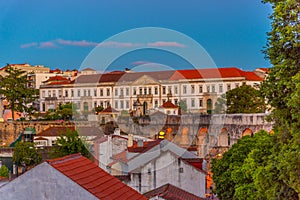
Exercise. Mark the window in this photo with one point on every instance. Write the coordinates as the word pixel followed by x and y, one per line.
pixel 164 101
pixel 237 85
pixel 49 93
pixel 72 93
pixel 89 93
pixel 95 92
pixel 220 88
pixel 228 87
pixel 200 103
pixel 213 88
pixel 164 90
pixel 127 91
pixel 145 90
pixel 141 90
pixel 107 92
pixel 122 92
pixel 156 103
pixel 184 89
pixel 78 92
pixel 208 88
pixel 84 93
pixel 95 104
pixel 127 104
pixel 54 93
pixel 116 92
pixel 101 103
pixel 134 91
pixel 200 89
pixel 78 105
pixel 101 92
pixel 116 104
pixel 176 101
pixel 43 107
pixel 66 93
pixel 155 90
pixel 43 94
pixel 193 102
pixel 175 89
pixel 150 92
pixel 192 89
pixel 121 104
pixel 169 90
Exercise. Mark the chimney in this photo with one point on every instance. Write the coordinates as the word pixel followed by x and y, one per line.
pixel 130 140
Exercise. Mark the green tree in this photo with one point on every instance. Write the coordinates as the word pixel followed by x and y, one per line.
pixel 98 109
pixel 182 105
pixel 25 152
pixel 4 172
pixel 70 143
pixel 243 99
pixel 220 105
pixel 64 111
pixel 14 88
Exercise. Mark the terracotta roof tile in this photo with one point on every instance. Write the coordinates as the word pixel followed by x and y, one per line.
pixel 146 146
pixel 109 109
pixel 168 104
pixel 94 179
pixel 170 192
pixel 55 131
pixel 251 76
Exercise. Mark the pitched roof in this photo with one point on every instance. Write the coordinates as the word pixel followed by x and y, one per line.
pixel 88 69
pixel 55 131
pixel 94 179
pixel 251 76
pixel 141 149
pixel 168 104
pixel 109 109
pixel 171 192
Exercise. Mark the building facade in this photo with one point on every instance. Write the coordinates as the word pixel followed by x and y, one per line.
pixel 198 88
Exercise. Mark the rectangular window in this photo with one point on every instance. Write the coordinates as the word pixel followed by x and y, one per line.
pixel 107 92
pixel 95 92
pixel 175 89
pixel 150 92
pixel 49 93
pixel 95 104
pixel 220 88
pixel 127 91
pixel 156 103
pixel 164 90
pixel 134 91
pixel 176 101
pixel 89 93
pixel 54 93
pixel 101 103
pixel 122 92
pixel 193 102
pixel 155 90
pixel 228 87
pixel 164 101
pixel 127 104
pixel 66 93
pixel 213 88
pixel 200 103
pixel 78 92
pixel 208 88
pixel 141 90
pixel 116 104
pixel 72 93
pixel 101 92
pixel 116 92
pixel 43 94
pixel 84 93
pixel 59 93
pixel 200 89
pixel 237 85
pixel 145 90
pixel 184 89
pixel 192 89
pixel 169 89
pixel 121 104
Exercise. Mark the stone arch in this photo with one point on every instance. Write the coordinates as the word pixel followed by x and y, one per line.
pixel 224 139
pixel 247 131
pixel 202 136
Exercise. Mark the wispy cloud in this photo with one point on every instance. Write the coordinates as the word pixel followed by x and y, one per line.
pixel 47 45
pixel 33 44
pixel 108 44
pixel 165 44
pixel 79 43
pixel 141 62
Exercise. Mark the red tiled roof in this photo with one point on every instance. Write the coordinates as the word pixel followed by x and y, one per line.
pixel 169 104
pixel 60 83
pixel 88 69
pixel 94 179
pixel 251 76
pixel 40 138
pixel 57 78
pixel 146 146
pixel 170 192
pixel 109 109
pixel 55 131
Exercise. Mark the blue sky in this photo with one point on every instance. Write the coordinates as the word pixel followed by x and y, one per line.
pixel 62 33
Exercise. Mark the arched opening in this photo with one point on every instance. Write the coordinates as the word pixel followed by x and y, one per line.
pixel 247 131
pixel 224 138
pixel 85 106
pixel 209 106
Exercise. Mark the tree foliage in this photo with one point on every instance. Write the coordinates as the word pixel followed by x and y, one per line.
pixel 4 172
pixel 70 143
pixel 64 111
pixel 14 88
pixel 25 152
pixel 182 105
pixel 243 99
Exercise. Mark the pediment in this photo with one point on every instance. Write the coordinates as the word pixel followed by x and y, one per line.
pixel 145 80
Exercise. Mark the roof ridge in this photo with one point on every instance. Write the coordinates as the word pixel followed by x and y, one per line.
pixel 64 159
